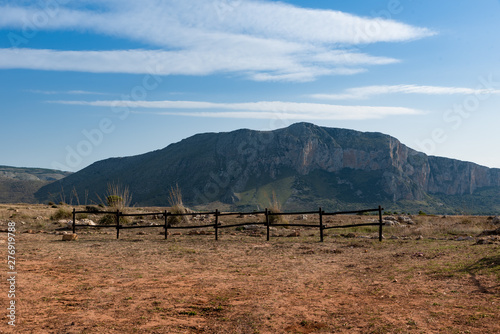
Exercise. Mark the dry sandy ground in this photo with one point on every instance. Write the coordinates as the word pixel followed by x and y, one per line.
pixel 243 284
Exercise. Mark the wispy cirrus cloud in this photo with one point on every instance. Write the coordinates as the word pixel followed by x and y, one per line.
pixel 359 93
pixel 256 110
pixel 268 65
pixel 67 92
pixel 261 40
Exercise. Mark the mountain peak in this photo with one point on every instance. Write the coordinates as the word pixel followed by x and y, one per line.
pixel 304 164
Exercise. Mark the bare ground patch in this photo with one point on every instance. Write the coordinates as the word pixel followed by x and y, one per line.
pixel 243 284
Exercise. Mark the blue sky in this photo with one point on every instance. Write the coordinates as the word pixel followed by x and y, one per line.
pixel 82 81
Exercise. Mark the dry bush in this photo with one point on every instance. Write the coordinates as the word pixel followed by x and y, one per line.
pixel 117 197
pixel 176 206
pixel 62 213
pixel 275 207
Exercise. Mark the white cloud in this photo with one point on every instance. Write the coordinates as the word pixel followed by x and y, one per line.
pixel 68 92
pixel 261 110
pixel 369 91
pixel 261 39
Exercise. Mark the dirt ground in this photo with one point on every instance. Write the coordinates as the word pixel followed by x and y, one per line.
pixel 430 277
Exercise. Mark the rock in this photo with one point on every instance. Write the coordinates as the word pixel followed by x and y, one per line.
pixel 420 237
pixel 405 220
pixel 294 234
pixel 250 227
pixel 349 235
pixel 394 237
pixel 469 238
pixel 70 237
pixel 496 220
pixel 86 222
pixel 489 240
pixel 490 232
pixel 391 218
pixel 301 217
pixel 141 233
pixel 390 222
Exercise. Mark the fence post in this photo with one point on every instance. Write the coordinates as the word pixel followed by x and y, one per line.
pixel 216 225
pixel 380 221
pixel 117 224
pixel 165 215
pixel 321 224
pixel 267 224
pixel 74 221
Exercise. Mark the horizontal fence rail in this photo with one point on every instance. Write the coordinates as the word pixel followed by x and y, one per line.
pixel 217 225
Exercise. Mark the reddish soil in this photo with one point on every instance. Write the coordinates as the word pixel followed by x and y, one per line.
pixel 243 284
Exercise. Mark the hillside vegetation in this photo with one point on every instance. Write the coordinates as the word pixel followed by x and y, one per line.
pixel 18 185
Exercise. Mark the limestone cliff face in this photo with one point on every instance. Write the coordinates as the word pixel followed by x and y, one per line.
pixel 453 177
pixel 215 167
pixel 407 174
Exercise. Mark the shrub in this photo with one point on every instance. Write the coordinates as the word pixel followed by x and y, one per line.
pixel 114 201
pixel 176 206
pixel 111 220
pixel 62 214
pixel 178 209
pixel 91 209
pixel 275 207
pixel 107 220
pixel 117 197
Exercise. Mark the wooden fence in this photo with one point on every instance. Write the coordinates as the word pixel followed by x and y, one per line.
pixel 217 225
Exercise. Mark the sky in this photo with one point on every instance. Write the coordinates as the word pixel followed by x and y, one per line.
pixel 83 81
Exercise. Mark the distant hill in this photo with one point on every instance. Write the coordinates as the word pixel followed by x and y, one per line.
pixel 305 165
pixel 18 185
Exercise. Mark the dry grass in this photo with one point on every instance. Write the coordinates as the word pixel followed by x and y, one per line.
pixel 118 197
pixel 243 284
pixel 275 207
pixel 177 207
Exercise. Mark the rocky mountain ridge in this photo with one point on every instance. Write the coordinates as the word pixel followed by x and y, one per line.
pixel 18 185
pixel 304 165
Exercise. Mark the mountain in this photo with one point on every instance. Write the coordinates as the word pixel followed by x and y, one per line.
pixel 305 165
pixel 18 185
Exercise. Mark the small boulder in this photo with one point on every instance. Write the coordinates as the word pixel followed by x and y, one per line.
pixel 390 222
pixel 496 220
pixel 405 220
pixel 469 238
pixel 87 222
pixel 69 237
